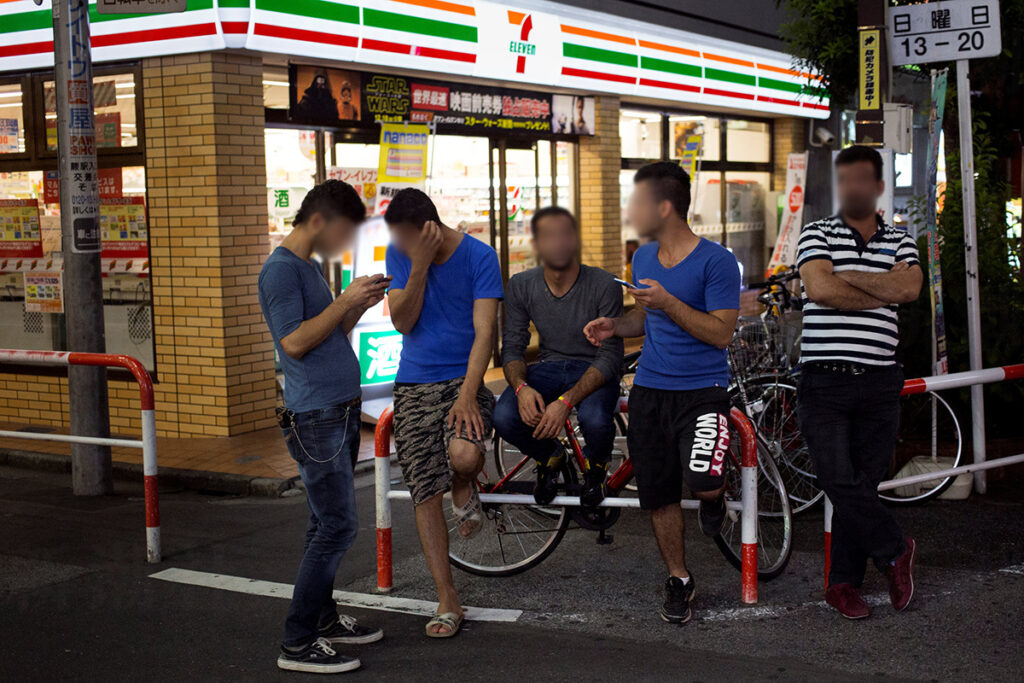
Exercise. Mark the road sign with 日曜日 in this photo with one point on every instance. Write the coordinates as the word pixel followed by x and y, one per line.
pixel 943 31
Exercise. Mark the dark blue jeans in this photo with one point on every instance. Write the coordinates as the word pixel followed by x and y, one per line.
pixel 552 379
pixel 325 444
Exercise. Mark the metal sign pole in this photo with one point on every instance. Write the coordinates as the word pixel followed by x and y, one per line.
pixel 963 95
pixel 80 230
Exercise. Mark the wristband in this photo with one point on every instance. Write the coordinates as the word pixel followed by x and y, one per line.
pixel 566 402
pixel 518 388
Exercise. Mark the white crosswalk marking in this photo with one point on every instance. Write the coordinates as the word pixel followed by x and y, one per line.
pixel 386 603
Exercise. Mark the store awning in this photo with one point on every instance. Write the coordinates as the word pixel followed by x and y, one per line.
pixel 532 42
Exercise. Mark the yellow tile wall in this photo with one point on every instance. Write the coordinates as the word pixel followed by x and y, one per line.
pixel 600 160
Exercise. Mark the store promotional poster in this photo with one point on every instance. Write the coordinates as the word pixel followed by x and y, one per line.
pixel 784 253
pixel 336 97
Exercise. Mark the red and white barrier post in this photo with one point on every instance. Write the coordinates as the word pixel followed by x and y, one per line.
pixel 382 479
pixel 748 496
pixel 828 539
pixel 147 444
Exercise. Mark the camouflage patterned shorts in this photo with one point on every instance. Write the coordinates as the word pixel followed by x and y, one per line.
pixel 422 435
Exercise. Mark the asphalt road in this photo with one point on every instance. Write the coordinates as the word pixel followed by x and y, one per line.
pixel 77 601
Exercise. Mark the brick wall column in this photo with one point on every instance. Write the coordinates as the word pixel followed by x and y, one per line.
pixel 206 182
pixel 790 135
pixel 600 216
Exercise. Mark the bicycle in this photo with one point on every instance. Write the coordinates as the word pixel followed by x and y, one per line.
pixel 520 535
pixel 762 357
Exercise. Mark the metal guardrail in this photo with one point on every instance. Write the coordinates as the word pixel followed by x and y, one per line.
pixel 746 506
pixel 147 444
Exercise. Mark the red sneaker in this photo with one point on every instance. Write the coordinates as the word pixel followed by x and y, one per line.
pixel 901 577
pixel 845 598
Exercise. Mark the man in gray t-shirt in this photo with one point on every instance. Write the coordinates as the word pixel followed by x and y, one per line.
pixel 559 297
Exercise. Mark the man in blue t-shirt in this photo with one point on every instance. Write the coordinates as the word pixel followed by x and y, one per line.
pixel 687 291
pixel 444 300
pixel 321 418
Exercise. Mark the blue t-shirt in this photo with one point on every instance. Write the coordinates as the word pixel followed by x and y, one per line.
pixel 292 290
pixel 707 280
pixel 437 348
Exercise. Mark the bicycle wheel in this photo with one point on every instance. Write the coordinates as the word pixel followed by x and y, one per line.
pixel 774 516
pixel 514 537
pixel 928 439
pixel 507 457
pixel 771 406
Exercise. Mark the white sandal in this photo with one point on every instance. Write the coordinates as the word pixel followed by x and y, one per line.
pixel 469 513
pixel 448 620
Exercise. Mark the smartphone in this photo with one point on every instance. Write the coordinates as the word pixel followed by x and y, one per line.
pixel 628 285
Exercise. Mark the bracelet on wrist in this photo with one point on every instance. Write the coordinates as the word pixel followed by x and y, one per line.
pixel 519 388
pixel 564 400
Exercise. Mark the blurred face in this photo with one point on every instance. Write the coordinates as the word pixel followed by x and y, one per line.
pixel 556 242
pixel 332 236
pixel 346 94
pixel 645 212
pixel 404 235
pixel 858 189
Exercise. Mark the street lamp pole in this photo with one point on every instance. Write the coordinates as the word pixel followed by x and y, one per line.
pixel 80 230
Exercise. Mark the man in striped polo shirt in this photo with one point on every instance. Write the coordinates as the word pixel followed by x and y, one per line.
pixel 855 271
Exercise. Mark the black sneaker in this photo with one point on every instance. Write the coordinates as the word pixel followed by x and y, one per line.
pixel 594 489
pixel 347 631
pixel 317 658
pixel 547 479
pixel 711 516
pixel 678 596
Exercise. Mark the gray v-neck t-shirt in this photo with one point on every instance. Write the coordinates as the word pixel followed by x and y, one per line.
pixel 560 320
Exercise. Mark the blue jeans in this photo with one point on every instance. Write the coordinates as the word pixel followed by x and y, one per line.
pixel 552 379
pixel 325 444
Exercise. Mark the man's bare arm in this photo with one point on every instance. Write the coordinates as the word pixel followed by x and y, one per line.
pixel 358 296
pixel 592 380
pixel 485 314
pixel 824 287
pixel 714 327
pixel 900 285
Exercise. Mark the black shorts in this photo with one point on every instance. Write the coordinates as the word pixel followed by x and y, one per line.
pixel 676 437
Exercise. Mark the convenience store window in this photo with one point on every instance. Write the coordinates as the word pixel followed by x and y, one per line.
pixel 31 245
pixel 729 187
pixel 12 119
pixel 114 106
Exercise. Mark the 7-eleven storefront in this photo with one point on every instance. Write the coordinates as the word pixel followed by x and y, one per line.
pixel 209 136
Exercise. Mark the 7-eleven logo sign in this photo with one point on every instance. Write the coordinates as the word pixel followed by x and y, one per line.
pixel 522 48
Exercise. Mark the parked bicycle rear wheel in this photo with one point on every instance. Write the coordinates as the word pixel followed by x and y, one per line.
pixel 929 439
pixel 514 537
pixel 774 516
pixel 771 406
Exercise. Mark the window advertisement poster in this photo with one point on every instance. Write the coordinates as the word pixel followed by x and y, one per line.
pixel 44 293
pixel 123 228
pixel 690 155
pixel 322 95
pixel 784 253
pixel 363 180
pixel 8 135
pixel 108 129
pixel 21 239
pixel 403 153
pixel 109 181
pixel 376 342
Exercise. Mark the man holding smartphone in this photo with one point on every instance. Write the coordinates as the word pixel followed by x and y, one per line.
pixel 321 418
pixel 687 291
pixel 444 301
pixel 559 297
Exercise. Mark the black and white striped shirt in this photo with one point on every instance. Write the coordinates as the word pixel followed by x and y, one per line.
pixel 867 337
